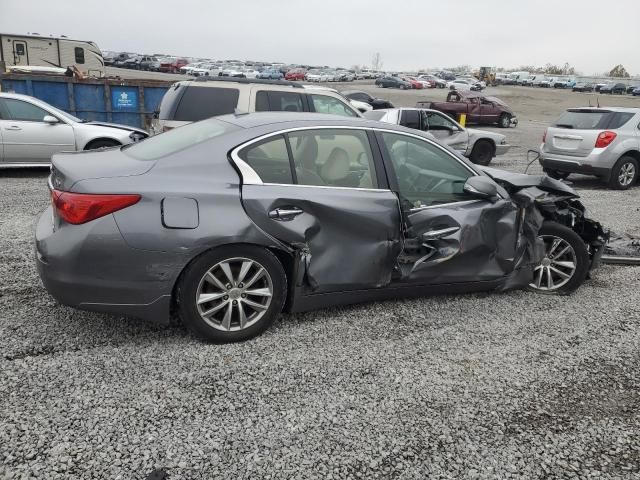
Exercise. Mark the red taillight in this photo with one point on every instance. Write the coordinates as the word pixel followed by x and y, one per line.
pixel 605 139
pixel 77 208
pixel 544 137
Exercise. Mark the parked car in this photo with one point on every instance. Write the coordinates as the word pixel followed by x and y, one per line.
pixel 528 81
pixel 631 88
pixel 345 76
pixel 192 100
pixel 540 81
pixel 147 62
pixel 479 146
pixel 188 69
pixel 316 75
pixel 270 74
pixel 603 142
pixel 120 60
pixel 583 87
pixel 429 222
pixel 547 82
pixel 564 83
pixel 636 92
pixel 296 74
pixel 392 82
pixel 361 96
pixel 614 88
pixel 434 81
pixel 172 64
pixel 33 130
pixel 415 83
pixel 598 86
pixel 478 108
pixel 205 70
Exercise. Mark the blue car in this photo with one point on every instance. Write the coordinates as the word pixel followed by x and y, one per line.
pixel 271 74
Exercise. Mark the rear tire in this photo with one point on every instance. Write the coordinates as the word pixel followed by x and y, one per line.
pixel 566 263
pixel 482 153
pixel 624 173
pixel 228 303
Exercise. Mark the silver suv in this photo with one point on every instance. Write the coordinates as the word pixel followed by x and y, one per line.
pixel 204 97
pixel 604 142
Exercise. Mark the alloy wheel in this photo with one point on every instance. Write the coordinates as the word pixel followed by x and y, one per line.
pixel 626 174
pixel 234 294
pixel 557 267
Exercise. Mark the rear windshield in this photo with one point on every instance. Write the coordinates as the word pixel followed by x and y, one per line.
pixel 177 139
pixel 198 103
pixel 592 119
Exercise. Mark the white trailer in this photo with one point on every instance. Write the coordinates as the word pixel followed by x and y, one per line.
pixel 38 50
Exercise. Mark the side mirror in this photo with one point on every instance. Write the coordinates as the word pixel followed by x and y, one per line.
pixel 50 119
pixel 481 187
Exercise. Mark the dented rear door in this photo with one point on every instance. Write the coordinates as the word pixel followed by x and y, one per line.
pixel 332 209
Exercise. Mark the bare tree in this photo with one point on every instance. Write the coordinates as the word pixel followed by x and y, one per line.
pixel 619 72
pixel 376 62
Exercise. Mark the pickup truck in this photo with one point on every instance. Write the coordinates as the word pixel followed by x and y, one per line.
pixel 479 109
pixel 479 146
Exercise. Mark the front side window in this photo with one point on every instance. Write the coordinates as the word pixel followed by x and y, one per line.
pixel 270 160
pixel 325 104
pixel 23 111
pixel 79 54
pixel 333 157
pixel 268 101
pixel 436 121
pixel 426 175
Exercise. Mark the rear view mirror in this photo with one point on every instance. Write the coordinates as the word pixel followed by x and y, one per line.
pixel 481 187
pixel 50 119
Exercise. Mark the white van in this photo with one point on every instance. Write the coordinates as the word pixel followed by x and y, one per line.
pixel 62 52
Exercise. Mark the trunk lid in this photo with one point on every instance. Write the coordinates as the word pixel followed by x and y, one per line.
pixel 68 168
pixel 576 131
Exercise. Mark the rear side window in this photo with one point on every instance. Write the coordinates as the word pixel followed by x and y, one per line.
pixel 79 54
pixel 268 101
pixel 270 160
pixel 410 119
pixel 198 103
pixel 619 119
pixel 325 104
pixel 178 139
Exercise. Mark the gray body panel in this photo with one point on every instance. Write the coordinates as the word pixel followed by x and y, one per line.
pixel 346 245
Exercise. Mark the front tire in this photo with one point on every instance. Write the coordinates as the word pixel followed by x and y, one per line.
pixel 505 120
pixel 482 153
pixel 232 293
pixel 624 173
pixel 565 264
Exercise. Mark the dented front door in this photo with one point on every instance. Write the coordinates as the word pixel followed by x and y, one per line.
pixel 450 237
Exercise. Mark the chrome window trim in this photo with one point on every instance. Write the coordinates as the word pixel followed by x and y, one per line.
pixel 251 177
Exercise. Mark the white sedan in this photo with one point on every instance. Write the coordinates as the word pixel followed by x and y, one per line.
pixel 32 130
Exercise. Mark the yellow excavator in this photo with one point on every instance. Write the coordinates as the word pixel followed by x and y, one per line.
pixel 486 75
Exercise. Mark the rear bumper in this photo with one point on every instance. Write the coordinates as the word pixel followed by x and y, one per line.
pixel 91 267
pixel 596 164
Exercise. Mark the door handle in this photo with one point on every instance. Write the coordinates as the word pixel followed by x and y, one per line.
pixel 13 127
pixel 284 213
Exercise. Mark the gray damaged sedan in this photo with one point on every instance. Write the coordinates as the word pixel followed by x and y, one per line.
pixel 231 220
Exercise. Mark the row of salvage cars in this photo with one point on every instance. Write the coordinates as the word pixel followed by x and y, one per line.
pixel 228 221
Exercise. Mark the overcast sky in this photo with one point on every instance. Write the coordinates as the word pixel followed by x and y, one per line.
pixel 591 35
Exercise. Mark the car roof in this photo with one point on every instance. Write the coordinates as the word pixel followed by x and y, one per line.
pixel 285 120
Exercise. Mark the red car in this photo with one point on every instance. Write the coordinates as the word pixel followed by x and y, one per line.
pixel 296 74
pixel 414 83
pixel 172 65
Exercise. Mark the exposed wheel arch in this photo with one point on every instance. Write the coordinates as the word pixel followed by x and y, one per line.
pixel 102 142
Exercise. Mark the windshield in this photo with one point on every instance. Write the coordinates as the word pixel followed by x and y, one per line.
pixel 178 139
pixel 583 119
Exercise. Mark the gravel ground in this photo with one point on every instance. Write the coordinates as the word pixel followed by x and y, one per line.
pixel 511 385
